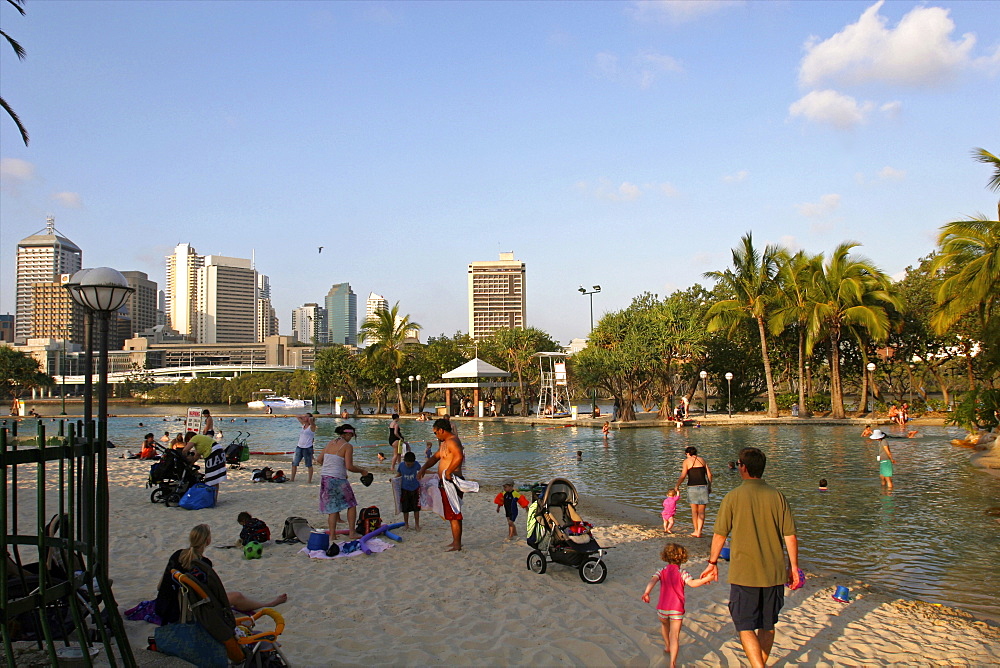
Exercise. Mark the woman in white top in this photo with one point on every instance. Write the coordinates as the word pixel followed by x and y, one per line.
pixel 335 493
pixel 304 448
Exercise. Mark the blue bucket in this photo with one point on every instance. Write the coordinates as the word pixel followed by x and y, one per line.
pixel 842 594
pixel 724 554
pixel 318 540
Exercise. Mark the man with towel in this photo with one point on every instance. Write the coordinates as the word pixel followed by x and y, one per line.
pixel 449 458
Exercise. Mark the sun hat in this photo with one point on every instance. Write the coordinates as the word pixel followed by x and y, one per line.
pixel 508 481
pixel 877 435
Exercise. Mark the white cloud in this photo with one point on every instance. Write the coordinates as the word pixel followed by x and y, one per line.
pixel 891 109
pixel 918 52
pixel 677 11
pixel 737 177
pixel 624 192
pixel 791 243
pixel 668 189
pixel 69 200
pixel 642 70
pixel 891 174
pixel 826 205
pixel 627 192
pixel 19 171
pixel 833 108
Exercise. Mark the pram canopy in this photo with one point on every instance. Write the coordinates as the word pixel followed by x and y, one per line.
pixel 559 492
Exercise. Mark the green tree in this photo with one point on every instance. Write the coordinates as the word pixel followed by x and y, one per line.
pixel 19 50
pixel 513 348
pixel 751 281
pixel 792 307
pixel 969 255
pixel 385 332
pixel 20 372
pixel 848 291
pixel 339 373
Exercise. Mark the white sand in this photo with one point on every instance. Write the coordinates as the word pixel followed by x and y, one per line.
pixel 417 605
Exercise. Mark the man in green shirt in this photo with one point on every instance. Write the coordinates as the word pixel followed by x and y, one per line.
pixel 761 524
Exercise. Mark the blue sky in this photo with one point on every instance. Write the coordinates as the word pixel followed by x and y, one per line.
pixel 623 144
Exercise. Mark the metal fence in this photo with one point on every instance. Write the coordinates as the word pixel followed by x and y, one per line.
pixel 54 586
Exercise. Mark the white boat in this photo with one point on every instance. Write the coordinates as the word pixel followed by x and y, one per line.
pixel 275 401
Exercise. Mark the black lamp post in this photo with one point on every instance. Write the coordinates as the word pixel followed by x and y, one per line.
pixel 411 393
pixel 591 293
pixel 704 381
pixel 729 380
pixel 871 381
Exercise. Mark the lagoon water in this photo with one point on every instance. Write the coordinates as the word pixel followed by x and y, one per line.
pixel 930 539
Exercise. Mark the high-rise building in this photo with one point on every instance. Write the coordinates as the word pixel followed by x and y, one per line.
pixel 41 258
pixel 226 308
pixel 375 303
pixel 181 292
pixel 141 304
pixel 309 323
pixel 342 315
pixel 497 297
pixel 267 319
pixel 55 315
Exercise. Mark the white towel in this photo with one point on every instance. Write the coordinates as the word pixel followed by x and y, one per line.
pixel 465 485
pixel 451 491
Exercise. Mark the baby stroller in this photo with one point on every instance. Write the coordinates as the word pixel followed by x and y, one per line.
pixel 171 477
pixel 558 534
pixel 240 644
pixel 238 451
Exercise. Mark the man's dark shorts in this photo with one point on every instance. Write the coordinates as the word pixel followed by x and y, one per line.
pixel 755 608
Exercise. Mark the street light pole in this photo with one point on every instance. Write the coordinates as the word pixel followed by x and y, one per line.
pixel 62 376
pixel 871 381
pixel 591 293
pixel 704 381
pixel 411 394
pixel 398 394
pixel 418 390
pixel 729 380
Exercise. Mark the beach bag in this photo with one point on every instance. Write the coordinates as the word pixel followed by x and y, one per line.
pixel 262 475
pixel 369 519
pixel 192 643
pixel 279 476
pixel 296 528
pixel 197 497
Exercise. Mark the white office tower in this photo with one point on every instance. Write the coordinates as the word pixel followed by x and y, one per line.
pixel 181 293
pixel 41 258
pixel 497 297
pixel 226 309
pixel 375 303
pixel 267 319
pixel 309 323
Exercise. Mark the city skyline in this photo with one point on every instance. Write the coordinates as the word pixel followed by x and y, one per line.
pixel 625 144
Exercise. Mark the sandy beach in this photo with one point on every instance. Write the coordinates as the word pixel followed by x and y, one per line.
pixel 414 604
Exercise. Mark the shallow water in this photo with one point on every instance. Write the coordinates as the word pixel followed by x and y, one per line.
pixel 930 539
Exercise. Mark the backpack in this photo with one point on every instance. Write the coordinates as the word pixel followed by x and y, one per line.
pixel 296 528
pixel 369 519
pixel 261 475
pixel 279 476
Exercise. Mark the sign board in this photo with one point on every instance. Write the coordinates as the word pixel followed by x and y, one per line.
pixel 193 422
pixel 560 369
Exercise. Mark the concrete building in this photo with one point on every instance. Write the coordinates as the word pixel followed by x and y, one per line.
pixel 497 295
pixel 41 258
pixel 6 328
pixel 54 313
pixel 309 323
pixel 375 303
pixel 141 304
pixel 226 308
pixel 181 291
pixel 342 315
pixel 267 319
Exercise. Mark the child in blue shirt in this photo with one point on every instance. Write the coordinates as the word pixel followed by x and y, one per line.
pixel 409 489
pixel 509 500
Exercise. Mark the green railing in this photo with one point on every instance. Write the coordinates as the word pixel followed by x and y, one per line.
pixel 54 585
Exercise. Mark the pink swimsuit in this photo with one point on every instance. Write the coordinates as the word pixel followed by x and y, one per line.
pixel 669 507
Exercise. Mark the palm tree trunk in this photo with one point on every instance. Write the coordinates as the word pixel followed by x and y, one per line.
pixel 772 400
pixel 863 402
pixel 836 390
pixel 520 389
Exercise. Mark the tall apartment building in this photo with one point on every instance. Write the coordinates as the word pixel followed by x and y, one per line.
pixel 309 323
pixel 497 296
pixel 181 292
pixel 375 303
pixel 55 315
pixel 267 319
pixel 141 304
pixel 41 258
pixel 226 307
pixel 342 315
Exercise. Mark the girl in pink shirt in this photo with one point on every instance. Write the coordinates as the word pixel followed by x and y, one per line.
pixel 670 607
pixel 669 509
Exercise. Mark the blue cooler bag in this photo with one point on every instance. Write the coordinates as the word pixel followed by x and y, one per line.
pixel 199 496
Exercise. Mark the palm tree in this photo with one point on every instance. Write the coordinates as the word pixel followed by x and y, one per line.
pixel 19 50
pixel 847 291
pixel 751 281
pixel 792 306
pixel 386 332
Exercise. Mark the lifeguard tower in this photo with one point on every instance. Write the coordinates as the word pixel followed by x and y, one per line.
pixel 553 398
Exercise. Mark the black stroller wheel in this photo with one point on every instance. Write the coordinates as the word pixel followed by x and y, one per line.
pixel 158 495
pixel 173 499
pixel 593 571
pixel 536 562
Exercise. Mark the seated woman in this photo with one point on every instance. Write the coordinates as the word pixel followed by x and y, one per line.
pixel 167 606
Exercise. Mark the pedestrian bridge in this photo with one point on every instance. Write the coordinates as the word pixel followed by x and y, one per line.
pixel 175 374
